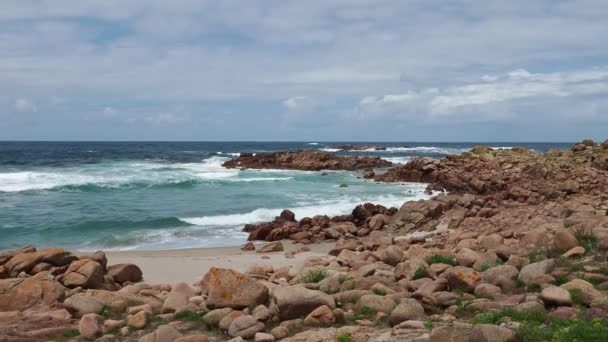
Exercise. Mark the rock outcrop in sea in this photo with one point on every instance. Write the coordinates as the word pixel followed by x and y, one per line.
pixel 514 250
pixel 305 160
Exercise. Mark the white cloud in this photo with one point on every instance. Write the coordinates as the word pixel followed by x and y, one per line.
pixel 467 99
pixel 298 103
pixel 23 105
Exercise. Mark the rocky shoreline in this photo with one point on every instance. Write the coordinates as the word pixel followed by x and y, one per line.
pixel 514 251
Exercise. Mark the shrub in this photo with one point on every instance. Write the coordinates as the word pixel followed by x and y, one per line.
pixel 188 316
pixel 586 238
pixel 366 310
pixel 442 259
pixel 314 276
pixel 420 273
pixel 345 338
pixel 577 296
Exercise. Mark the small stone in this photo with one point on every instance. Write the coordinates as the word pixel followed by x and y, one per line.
pixel 263 337
pixel 139 320
pixel 408 309
pixel 245 326
pixel 491 333
pixel 574 251
pixel 321 316
pixel 89 326
pixel 564 240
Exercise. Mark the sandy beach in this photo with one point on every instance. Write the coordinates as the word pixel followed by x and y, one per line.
pixel 189 265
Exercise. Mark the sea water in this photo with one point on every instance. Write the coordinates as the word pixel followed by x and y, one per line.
pixel 165 195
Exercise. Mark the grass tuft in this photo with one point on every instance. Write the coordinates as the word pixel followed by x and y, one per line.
pixel 345 338
pixel 442 259
pixel 420 273
pixel 314 276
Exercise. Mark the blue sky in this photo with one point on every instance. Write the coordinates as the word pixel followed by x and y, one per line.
pixel 408 70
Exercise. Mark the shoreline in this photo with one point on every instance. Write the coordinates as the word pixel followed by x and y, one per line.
pixel 189 265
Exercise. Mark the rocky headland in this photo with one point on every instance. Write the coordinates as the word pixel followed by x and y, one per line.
pixel 350 147
pixel 511 247
pixel 305 160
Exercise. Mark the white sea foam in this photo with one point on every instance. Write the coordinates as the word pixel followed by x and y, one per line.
pixel 397 160
pixel 114 175
pixel 328 149
pixel 323 207
pixel 313 143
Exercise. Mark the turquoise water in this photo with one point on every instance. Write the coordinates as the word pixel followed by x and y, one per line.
pixel 89 196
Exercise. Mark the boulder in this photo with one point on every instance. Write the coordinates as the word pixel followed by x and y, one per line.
pixel 485 290
pixel 392 255
pixel 376 303
pixel 245 326
pixel 227 288
pixel 122 273
pixel 81 304
pixel 321 316
pixel 297 301
pixel 164 333
pixel 213 317
pixel 491 333
pixel 178 298
pixel 193 338
pixel 532 272
pixel 564 240
pixel 99 257
pixel 408 309
pixel 588 292
pixel 276 246
pixel 263 337
pixel 556 296
pixel 21 294
pixel 89 326
pixel 139 320
pixel 502 276
pixel 463 278
pixel 84 273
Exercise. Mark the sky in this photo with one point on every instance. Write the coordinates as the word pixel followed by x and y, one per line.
pixel 315 70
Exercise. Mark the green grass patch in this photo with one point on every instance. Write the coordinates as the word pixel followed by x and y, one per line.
pixel 536 255
pixel 189 316
pixel 366 310
pixel 486 267
pixel 442 259
pixel 536 326
pixel 420 273
pixel 428 324
pixel 378 292
pixel 577 296
pixel 314 276
pixel 586 239
pixel 68 335
pixel 345 338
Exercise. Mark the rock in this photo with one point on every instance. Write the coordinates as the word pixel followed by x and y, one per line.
pixel 84 273
pixel 261 313
pixel 245 326
pixel 122 273
pixel 193 338
pixel 557 296
pixel 574 251
pixel 588 292
pixel 121 298
pixel 138 320
pixel 213 317
pixel 178 298
pixel 376 303
pixel 392 255
pixel 99 257
pixel 21 294
pixel 531 272
pixel 164 333
pixel 467 257
pixel 463 278
pixel 248 247
pixel 564 312
pixel 564 240
pixel 487 291
pixel 502 276
pixel 89 326
pixel 279 332
pixel 227 320
pixel 263 337
pixel 81 304
pixel 276 246
pixel 408 309
pixel 305 160
pixel 491 333
pixel 321 316
pixel 296 301
pixel 228 288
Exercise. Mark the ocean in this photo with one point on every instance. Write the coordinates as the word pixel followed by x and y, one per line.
pixel 89 196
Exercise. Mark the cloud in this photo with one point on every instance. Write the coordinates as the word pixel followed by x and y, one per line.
pixel 473 99
pixel 23 105
pixel 298 103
